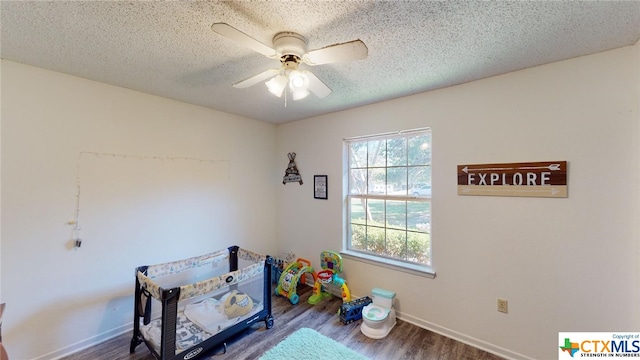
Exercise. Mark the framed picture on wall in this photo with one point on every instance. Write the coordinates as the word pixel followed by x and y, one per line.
pixel 320 187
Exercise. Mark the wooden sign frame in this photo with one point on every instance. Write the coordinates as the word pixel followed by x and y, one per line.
pixel 528 179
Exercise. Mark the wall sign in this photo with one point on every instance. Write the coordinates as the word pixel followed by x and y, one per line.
pixel 530 179
pixel 320 187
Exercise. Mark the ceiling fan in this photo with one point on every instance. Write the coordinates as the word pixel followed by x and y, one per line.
pixel 291 49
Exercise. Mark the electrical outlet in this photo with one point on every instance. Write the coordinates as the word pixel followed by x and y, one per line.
pixel 502 305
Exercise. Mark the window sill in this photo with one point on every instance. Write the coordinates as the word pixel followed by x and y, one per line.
pixel 418 270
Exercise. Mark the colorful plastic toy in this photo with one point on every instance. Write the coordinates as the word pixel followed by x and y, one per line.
pixel 291 275
pixel 328 280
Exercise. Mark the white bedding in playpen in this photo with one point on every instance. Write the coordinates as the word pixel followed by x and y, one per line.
pixel 196 323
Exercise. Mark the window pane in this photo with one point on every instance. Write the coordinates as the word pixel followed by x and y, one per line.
pixel 358 237
pixel 420 181
pixel 418 247
pixel 397 244
pixel 376 212
pixel 358 155
pixel 357 213
pixel 420 149
pixel 419 216
pixel 377 181
pixel 397 152
pixel 397 181
pixel 376 240
pixel 358 181
pixel 397 214
pixel 376 153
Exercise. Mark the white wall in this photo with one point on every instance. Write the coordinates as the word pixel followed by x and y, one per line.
pixel 563 264
pixel 636 314
pixel 169 181
pixel 0 185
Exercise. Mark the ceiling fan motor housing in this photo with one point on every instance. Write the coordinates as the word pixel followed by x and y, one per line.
pixel 290 43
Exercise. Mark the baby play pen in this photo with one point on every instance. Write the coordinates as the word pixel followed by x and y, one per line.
pixel 185 308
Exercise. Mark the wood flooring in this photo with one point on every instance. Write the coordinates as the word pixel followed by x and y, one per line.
pixel 406 341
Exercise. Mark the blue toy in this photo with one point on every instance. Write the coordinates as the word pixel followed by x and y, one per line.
pixel 352 310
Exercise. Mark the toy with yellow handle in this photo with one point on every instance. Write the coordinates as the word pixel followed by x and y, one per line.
pixel 325 277
pixel 346 294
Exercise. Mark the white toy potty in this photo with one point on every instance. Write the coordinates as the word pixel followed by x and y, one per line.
pixel 379 317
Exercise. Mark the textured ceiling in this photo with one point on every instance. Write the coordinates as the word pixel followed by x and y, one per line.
pixel 168 48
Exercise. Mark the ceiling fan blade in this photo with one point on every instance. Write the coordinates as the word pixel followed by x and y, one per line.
pixel 316 86
pixel 256 78
pixel 243 39
pixel 352 50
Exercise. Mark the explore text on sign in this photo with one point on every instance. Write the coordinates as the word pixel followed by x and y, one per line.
pixel 532 179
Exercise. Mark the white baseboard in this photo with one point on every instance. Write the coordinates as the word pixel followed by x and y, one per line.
pixel 469 340
pixel 86 343
pixel 465 339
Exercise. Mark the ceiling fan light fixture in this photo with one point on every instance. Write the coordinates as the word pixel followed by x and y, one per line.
pixel 298 80
pixel 298 84
pixel 299 94
pixel 277 84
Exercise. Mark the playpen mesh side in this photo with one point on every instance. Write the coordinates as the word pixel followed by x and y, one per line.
pixel 158 270
pixel 215 292
pixel 201 275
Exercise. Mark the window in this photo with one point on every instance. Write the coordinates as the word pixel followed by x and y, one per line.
pixel 389 199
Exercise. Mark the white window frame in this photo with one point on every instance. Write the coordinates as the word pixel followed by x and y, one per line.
pixel 416 268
